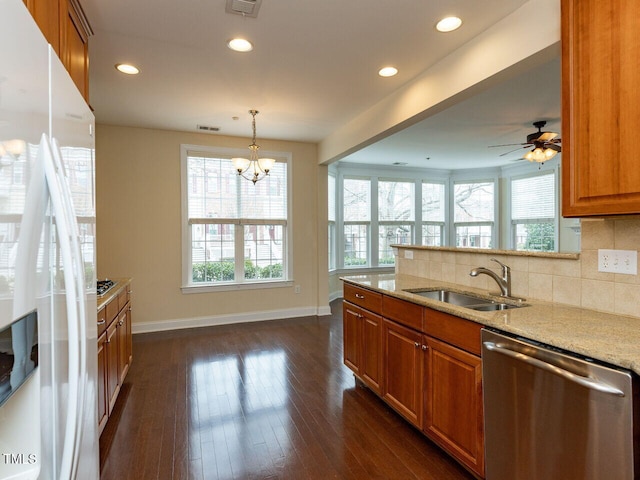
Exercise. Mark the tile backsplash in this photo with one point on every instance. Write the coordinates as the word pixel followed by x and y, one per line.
pixel 568 281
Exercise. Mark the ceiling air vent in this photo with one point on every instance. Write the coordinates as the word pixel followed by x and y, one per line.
pixel 246 8
pixel 207 128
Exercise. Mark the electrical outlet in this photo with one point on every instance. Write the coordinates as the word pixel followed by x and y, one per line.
pixel 296 289
pixel 408 254
pixel 618 261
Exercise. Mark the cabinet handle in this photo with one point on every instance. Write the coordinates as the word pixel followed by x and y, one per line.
pixel 417 344
pixel 359 296
pixel 120 323
pixel 102 322
pixel 424 347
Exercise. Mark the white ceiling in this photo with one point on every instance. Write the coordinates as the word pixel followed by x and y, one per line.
pixel 313 69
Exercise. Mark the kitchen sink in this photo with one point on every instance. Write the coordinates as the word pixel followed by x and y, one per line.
pixel 464 300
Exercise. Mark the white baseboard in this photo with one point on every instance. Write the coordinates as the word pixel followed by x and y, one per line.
pixel 209 321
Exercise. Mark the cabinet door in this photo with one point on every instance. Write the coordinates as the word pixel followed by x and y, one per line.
pixel 123 353
pixel 75 45
pixel 46 13
pixel 113 386
pixel 129 335
pixel 103 405
pixel 600 114
pixel 454 415
pixel 371 359
pixel 352 336
pixel 403 370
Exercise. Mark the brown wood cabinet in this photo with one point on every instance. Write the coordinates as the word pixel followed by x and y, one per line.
pixel 454 414
pixel 103 406
pixel 600 107
pixel 429 367
pixel 114 349
pixel 363 344
pixel 403 370
pixel 66 28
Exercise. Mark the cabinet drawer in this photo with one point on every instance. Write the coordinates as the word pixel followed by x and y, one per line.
pixel 102 320
pixel 365 298
pixel 462 333
pixel 123 297
pixel 406 313
pixel 112 310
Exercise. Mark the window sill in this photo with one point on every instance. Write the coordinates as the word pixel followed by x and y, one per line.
pixel 229 287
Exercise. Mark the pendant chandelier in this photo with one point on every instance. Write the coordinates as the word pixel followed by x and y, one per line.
pixel 253 168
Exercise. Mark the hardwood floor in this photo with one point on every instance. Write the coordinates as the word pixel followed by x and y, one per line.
pixel 269 400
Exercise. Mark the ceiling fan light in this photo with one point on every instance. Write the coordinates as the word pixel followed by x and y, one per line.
pixel 549 153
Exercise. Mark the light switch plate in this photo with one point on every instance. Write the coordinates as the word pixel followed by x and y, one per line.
pixel 408 254
pixel 618 261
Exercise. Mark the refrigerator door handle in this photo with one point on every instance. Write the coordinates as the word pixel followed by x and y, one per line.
pixel 64 227
pixel 575 378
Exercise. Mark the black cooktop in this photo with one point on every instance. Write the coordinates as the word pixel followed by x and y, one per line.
pixel 102 286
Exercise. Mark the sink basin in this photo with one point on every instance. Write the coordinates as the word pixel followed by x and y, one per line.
pixel 448 296
pixel 465 300
pixel 492 307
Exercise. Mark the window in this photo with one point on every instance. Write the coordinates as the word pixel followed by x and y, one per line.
pixel 235 232
pixel 433 214
pixel 357 220
pixel 533 218
pixel 396 207
pixel 473 214
pixel 331 193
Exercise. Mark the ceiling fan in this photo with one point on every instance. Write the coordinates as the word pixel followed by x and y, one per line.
pixel 545 145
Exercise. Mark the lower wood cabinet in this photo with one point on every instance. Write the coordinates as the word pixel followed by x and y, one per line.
pixel 363 345
pixel 453 413
pixel 403 370
pixel 115 351
pixel 103 407
pixel 113 376
pixel 425 364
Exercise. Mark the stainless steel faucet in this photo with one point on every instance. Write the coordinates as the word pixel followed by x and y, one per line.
pixel 504 283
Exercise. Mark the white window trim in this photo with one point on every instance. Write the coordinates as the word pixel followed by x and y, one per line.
pixel 187 286
pixel 517 174
pixel 465 177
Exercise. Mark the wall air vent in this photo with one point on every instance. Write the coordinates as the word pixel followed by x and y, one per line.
pixel 246 8
pixel 207 128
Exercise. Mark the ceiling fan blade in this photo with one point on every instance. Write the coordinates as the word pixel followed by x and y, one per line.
pixel 553 146
pixel 511 151
pixel 547 136
pixel 507 145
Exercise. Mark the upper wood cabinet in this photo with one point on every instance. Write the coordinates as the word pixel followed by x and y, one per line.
pixel 600 107
pixel 67 29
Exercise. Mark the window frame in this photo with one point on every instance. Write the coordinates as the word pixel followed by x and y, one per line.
pixel 187 285
pixel 495 224
pixel 555 221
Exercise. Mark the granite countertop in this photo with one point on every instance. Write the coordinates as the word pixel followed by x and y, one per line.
pixel 614 339
pixel 119 284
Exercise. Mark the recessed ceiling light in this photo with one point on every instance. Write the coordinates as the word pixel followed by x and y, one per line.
pixel 126 68
pixel 240 45
pixel 448 24
pixel 388 71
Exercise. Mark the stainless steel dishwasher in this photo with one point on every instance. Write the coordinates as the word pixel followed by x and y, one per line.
pixel 552 415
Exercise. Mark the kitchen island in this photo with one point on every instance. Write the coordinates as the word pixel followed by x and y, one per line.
pixel 424 357
pixel 610 338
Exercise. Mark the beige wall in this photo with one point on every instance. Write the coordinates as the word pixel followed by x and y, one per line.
pixel 139 230
pixel 572 282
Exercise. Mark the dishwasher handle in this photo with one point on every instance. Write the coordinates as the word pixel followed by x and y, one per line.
pixel 580 380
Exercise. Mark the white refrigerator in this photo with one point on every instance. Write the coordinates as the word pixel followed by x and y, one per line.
pixel 48 332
